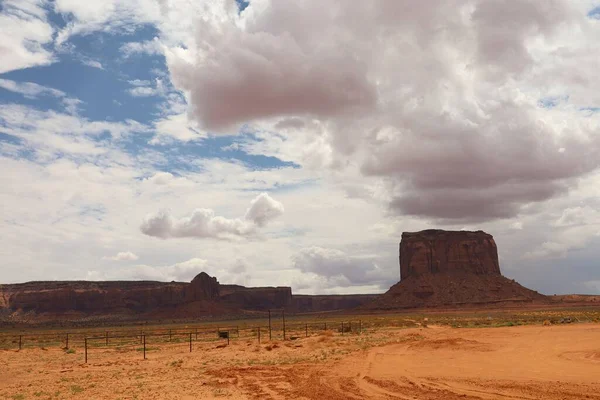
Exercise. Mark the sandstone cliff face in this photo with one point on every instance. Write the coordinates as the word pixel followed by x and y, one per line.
pixel 98 297
pixel 437 251
pixel 203 296
pixel 451 268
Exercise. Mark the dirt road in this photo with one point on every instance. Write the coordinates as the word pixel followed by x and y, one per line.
pixel 535 362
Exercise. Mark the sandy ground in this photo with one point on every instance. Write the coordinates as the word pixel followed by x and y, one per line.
pixel 533 362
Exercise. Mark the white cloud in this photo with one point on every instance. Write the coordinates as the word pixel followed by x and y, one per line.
pixel 517 225
pixel 25 33
pixel 203 223
pixel 140 82
pixel 30 90
pixel 92 63
pixel 50 134
pixel 142 91
pixel 122 256
pixel 176 127
pixel 149 47
pixel 139 90
pixel 264 209
pixel 576 216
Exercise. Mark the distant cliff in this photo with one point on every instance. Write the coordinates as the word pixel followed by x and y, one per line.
pixel 204 295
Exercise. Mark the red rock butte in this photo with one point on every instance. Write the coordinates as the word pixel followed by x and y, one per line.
pixel 451 268
pixel 436 251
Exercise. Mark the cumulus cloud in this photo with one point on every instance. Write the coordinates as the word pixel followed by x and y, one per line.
pixel 240 76
pixel 123 256
pixel 441 104
pixel 264 209
pixel 203 223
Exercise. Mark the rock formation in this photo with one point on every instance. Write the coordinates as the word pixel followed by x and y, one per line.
pixel 436 251
pixel 451 268
pixel 203 287
pixel 146 300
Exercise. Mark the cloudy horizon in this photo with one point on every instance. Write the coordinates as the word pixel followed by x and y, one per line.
pixel 271 143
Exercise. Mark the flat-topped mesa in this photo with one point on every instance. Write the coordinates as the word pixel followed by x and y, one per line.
pixel 435 251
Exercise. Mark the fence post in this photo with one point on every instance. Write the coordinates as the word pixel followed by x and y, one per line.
pixel 360 326
pixel 144 346
pixel 270 325
pixel 107 338
pixel 196 333
pixel 325 325
pixel 227 338
pixel 20 342
pixel 85 345
pixel 258 334
pixel 190 342
pixel 306 328
pixel 67 341
pixel 283 316
pixel 141 333
pixel 342 328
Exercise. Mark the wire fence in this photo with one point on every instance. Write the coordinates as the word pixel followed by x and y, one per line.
pixel 188 338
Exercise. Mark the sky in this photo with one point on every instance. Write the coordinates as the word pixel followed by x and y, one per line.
pixel 277 143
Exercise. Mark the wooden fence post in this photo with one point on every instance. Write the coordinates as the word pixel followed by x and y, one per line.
pixel 85 346
pixel 283 317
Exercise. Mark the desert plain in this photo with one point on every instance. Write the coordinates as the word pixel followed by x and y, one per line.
pixel 485 355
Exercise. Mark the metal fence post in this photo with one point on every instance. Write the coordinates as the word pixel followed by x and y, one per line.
pixel 85 345
pixel 190 342
pixel 144 347
pixel 325 325
pixel 360 326
pixel 20 342
pixel 306 328
pixel 67 341
pixel 107 338
pixel 342 328
pixel 258 329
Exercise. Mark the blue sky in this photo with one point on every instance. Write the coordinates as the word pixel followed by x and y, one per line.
pixel 152 140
